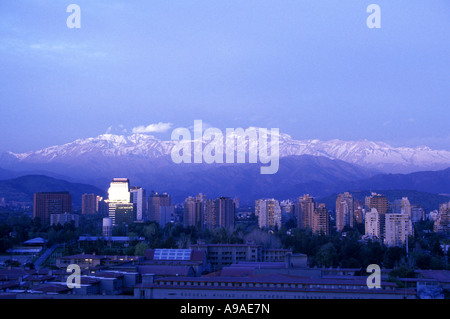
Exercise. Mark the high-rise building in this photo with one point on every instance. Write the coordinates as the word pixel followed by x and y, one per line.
pixel 358 211
pixel 139 200
pixel 417 213
pixel 398 228
pixel 320 220
pixel 119 201
pixel 166 215
pixel 381 204
pixel 210 216
pixel 88 204
pixel 155 201
pixel 377 201
pixel 372 223
pixel 102 206
pixel 269 213
pixel 442 221
pixel 107 227
pixel 304 211
pixel 287 211
pixel 45 204
pixel 191 214
pixel 344 211
pixel 125 213
pixel 225 212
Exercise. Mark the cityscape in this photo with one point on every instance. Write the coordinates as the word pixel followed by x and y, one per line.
pixel 224 158
pixel 133 245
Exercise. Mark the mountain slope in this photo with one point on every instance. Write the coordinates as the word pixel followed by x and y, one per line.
pixel 437 182
pixel 22 188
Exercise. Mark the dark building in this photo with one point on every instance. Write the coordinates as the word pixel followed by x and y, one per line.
pixel 304 211
pixel 45 204
pixel 155 202
pixel 125 213
pixel 321 220
pixel 225 212
pixel 88 204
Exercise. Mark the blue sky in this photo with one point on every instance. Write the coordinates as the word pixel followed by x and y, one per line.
pixel 310 68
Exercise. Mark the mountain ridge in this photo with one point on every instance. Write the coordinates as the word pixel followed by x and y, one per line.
pixel 375 155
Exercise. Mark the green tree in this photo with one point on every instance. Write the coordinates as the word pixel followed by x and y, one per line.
pixel 326 256
pixel 139 249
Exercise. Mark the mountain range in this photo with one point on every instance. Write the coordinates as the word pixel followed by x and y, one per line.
pixel 375 155
pixel 317 167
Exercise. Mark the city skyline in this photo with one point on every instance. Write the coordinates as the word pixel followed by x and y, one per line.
pixel 289 65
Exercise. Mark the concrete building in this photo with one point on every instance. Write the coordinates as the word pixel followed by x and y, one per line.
pixel 107 227
pixel 88 204
pixel 304 211
pixel 442 221
pixel 321 220
pixel 269 213
pixel 372 224
pixel 154 204
pixel 45 204
pixel 140 202
pixel 398 227
pixel 221 255
pixel 344 211
pixel 381 204
pixel 270 286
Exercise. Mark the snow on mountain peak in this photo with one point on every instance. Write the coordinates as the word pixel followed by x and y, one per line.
pixel 362 152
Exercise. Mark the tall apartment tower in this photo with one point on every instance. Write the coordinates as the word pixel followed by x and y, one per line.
pixel 381 204
pixel 320 220
pixel 192 212
pixel 377 201
pixel 155 202
pixel 304 211
pixel 88 204
pixel 138 199
pixel 107 227
pixel 344 211
pixel 45 204
pixel 372 223
pixel 210 216
pixel 269 213
pixel 398 228
pixel 120 207
pixel 225 212
pixel 442 222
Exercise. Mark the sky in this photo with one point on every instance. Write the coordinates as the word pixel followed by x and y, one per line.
pixel 311 68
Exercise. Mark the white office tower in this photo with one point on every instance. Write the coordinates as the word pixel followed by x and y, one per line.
pixel 398 228
pixel 139 200
pixel 372 223
pixel 107 227
pixel 269 213
pixel 118 195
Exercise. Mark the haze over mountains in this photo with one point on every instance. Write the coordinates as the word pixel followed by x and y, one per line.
pixel 306 166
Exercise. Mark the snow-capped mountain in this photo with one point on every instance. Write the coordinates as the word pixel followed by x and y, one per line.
pixel 376 155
